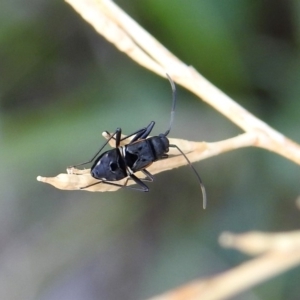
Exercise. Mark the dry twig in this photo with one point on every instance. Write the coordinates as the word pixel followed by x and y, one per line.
pixel 117 27
pixel 76 179
pixel 278 252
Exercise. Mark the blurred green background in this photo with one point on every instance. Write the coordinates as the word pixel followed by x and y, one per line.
pixel 62 85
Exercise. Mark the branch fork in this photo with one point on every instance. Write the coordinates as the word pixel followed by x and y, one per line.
pixel 275 252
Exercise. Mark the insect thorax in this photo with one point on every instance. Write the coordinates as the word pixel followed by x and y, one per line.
pixel 141 154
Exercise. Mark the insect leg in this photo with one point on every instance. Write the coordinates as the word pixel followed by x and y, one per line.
pixel 143 134
pixel 118 135
pixel 139 134
pixel 143 186
pixel 138 181
pixel 149 176
pixel 196 173
pixel 117 138
pixel 128 136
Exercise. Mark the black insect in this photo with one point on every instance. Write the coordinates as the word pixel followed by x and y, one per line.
pixel 123 161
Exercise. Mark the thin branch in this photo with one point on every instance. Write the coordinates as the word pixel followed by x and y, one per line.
pixel 106 23
pixel 115 25
pixel 128 36
pixel 278 252
pixel 281 252
pixel 298 202
pixel 195 151
pixel 255 242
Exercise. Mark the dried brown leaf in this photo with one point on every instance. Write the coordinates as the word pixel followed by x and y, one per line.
pixel 195 151
pixel 76 179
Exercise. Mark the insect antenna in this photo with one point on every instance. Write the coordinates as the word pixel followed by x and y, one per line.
pixel 173 104
pixel 175 146
pixel 196 173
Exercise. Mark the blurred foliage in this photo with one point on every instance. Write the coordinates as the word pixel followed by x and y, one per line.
pixel 62 85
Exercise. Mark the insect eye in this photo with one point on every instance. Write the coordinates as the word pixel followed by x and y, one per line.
pixel 113 166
